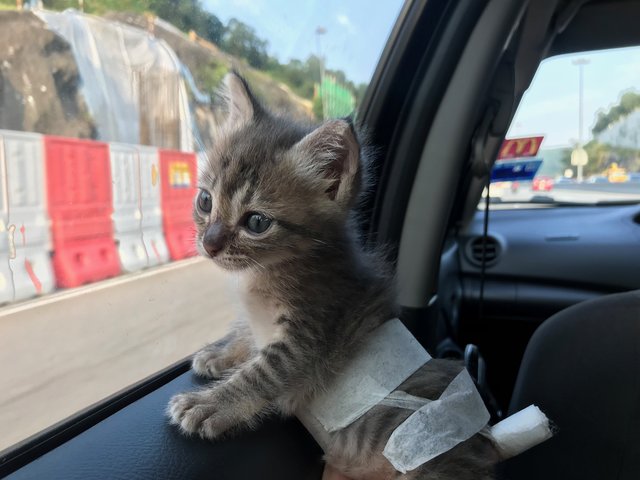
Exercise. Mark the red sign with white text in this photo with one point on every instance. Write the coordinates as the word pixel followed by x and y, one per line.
pixel 520 147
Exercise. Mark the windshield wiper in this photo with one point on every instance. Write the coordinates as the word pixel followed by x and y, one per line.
pixel 537 200
pixel 611 203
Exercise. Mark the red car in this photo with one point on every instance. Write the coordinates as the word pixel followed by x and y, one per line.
pixel 542 184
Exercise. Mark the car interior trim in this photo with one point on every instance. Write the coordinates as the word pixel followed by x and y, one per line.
pixel 442 159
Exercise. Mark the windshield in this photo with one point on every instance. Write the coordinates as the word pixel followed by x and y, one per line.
pixel 575 141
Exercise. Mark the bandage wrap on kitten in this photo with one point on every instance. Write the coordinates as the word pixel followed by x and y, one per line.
pixel 389 356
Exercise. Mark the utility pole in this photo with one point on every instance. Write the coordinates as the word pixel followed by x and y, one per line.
pixel 321 31
pixel 580 62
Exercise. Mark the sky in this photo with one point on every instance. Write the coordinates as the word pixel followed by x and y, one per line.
pixel 550 106
pixel 357 30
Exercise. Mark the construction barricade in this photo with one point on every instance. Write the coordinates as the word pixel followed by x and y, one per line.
pixel 151 206
pixel 79 198
pixel 125 173
pixel 28 222
pixel 178 174
pixel 7 248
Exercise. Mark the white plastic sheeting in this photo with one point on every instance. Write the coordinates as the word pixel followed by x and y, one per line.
pixel 131 81
pixel 27 222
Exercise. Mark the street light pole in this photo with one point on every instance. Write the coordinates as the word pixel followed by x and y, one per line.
pixel 580 62
pixel 321 31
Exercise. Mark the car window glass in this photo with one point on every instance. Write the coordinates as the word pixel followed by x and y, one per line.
pixel 575 137
pixel 106 110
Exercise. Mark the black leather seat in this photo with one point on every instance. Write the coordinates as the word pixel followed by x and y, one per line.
pixel 582 368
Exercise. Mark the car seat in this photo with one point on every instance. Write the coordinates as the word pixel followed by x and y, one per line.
pixel 582 368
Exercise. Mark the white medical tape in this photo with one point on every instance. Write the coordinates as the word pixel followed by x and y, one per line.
pixel 438 426
pixel 521 431
pixel 387 358
pixel 404 400
pixel 398 399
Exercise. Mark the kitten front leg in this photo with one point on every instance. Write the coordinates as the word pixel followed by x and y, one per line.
pixel 277 371
pixel 230 351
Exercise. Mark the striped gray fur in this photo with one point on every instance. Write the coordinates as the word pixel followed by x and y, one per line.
pixel 309 292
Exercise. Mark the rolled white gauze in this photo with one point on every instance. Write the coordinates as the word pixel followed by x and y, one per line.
pixel 521 431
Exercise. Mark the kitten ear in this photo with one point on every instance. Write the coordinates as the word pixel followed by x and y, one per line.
pixel 331 154
pixel 241 104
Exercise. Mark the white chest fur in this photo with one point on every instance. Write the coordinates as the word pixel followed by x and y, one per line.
pixel 262 315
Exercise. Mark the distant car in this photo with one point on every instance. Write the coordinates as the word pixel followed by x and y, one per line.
pixel 564 180
pixel 634 177
pixel 617 174
pixel 598 179
pixel 542 184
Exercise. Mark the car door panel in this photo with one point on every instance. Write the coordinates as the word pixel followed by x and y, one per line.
pixel 137 442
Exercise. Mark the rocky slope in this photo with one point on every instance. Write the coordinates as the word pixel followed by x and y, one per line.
pixel 39 80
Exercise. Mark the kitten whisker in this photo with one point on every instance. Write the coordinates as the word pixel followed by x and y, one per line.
pixel 257 264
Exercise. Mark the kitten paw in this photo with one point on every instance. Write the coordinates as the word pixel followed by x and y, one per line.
pixel 209 364
pixel 198 413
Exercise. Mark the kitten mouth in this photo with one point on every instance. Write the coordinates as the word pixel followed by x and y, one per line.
pixel 232 263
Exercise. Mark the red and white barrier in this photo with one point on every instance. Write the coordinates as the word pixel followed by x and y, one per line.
pixel 77 211
pixel 179 175
pixel 125 173
pixel 80 207
pixel 27 224
pixel 7 248
pixel 151 207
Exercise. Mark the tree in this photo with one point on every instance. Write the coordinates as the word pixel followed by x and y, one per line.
pixel 188 15
pixel 629 102
pixel 212 28
pixel 314 67
pixel 601 157
pixel 360 91
pixel 240 39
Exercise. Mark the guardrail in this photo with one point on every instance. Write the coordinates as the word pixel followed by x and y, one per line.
pixel 626 187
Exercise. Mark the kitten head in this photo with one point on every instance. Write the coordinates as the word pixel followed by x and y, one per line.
pixel 273 190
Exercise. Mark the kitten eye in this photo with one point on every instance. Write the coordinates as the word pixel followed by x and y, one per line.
pixel 204 201
pixel 257 223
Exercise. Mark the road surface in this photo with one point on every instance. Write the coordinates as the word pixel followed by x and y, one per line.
pixel 64 352
pixel 574 193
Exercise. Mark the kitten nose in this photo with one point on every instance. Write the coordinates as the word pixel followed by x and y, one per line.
pixel 214 238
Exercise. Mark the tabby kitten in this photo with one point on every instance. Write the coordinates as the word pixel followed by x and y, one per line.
pixel 275 206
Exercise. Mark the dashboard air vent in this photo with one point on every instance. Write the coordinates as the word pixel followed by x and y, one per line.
pixel 475 248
